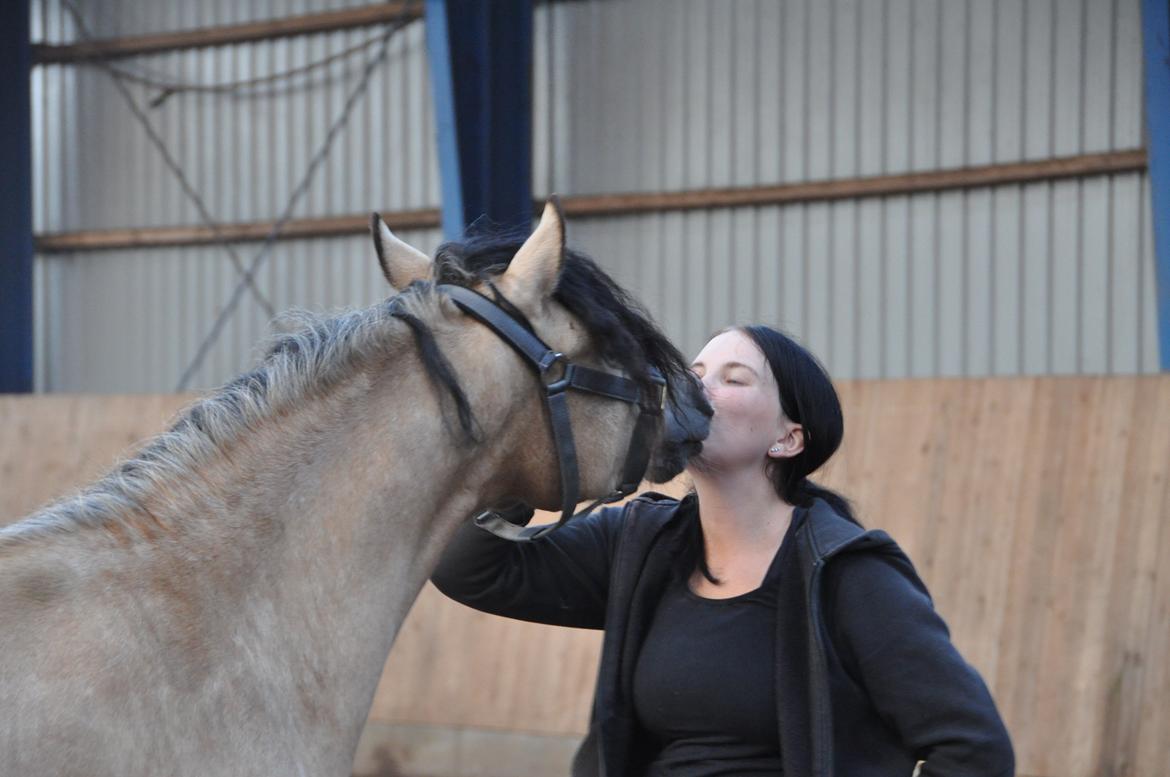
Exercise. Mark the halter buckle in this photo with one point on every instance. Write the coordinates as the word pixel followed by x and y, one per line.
pixel 555 380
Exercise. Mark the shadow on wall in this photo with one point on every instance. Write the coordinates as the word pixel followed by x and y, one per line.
pixel 384 765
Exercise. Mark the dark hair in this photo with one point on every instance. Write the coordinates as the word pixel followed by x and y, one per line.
pixel 808 398
pixel 622 332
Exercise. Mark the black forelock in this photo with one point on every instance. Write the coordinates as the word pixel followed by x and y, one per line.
pixel 623 332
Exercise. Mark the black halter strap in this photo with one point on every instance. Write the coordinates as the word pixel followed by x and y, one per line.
pixel 558 375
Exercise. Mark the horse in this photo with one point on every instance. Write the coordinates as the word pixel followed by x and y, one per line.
pixel 224 600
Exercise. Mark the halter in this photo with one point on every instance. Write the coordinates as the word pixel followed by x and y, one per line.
pixel 557 375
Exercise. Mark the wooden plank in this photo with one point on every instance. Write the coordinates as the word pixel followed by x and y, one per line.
pixel 398 750
pixel 1033 508
pixel 269 29
pixel 874 186
pixel 1137 710
pixel 601 205
pixel 144 237
pixel 53 443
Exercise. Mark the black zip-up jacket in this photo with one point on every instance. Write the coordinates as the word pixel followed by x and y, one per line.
pixel 867 680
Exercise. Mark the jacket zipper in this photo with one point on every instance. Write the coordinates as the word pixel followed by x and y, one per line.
pixel 822 765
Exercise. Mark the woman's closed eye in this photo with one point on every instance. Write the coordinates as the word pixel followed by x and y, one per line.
pixel 733 375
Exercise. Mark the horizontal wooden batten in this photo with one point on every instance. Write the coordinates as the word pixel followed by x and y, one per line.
pixel 851 188
pixel 599 205
pixel 270 29
pixel 153 237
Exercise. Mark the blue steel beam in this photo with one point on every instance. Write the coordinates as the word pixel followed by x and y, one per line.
pixel 16 243
pixel 1156 33
pixel 481 65
pixel 443 97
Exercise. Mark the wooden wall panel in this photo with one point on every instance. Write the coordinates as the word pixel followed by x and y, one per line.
pixel 1034 508
pixel 53 443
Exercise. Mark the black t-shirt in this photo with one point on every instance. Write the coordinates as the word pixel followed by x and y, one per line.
pixel 704 684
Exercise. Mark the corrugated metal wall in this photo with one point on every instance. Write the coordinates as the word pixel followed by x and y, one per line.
pixel 644 95
pixel 132 320
pixel 665 95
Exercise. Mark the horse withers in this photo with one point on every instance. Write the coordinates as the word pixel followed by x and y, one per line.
pixel 223 602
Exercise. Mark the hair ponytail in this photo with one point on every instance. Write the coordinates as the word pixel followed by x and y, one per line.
pixel 809 491
pixel 808 398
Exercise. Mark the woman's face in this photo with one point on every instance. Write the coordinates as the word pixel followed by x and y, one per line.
pixel 748 422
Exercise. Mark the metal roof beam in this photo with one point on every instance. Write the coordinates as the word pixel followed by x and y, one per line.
pixel 1156 32
pixel 481 65
pixel 16 241
pixel 249 32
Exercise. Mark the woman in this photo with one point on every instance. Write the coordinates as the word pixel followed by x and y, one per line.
pixel 753 627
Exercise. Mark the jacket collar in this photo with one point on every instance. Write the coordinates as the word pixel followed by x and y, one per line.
pixel 830 533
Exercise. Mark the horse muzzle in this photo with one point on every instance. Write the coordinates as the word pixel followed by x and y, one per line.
pixel 686 424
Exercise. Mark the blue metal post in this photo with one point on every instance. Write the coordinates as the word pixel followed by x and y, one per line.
pixel 1156 32
pixel 16 245
pixel 484 52
pixel 443 95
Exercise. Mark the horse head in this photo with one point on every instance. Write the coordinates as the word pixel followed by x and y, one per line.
pixel 586 319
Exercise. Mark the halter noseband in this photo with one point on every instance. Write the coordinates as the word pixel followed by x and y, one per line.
pixel 557 375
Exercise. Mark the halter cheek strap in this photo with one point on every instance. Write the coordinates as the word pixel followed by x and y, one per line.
pixel 557 376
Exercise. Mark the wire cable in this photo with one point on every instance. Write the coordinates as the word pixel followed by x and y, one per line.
pixel 338 124
pixel 173 165
pixel 168 86
pixel 247 274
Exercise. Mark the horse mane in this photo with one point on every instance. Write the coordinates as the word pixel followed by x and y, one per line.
pixel 307 355
pixel 312 353
pixel 622 330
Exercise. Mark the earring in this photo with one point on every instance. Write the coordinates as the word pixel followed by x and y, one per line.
pixel 774 449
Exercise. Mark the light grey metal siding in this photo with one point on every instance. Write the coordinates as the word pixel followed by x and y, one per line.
pixel 641 95
pixel 928 285
pixel 663 95
pixel 131 320
pixel 243 153
pixel 676 94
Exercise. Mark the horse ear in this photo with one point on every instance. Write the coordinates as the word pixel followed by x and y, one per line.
pixel 401 264
pixel 533 273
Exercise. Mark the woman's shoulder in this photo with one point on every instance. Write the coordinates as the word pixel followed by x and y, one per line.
pixel 830 534
pixel 856 558
pixel 875 575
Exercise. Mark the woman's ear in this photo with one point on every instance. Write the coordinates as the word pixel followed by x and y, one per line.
pixel 790 444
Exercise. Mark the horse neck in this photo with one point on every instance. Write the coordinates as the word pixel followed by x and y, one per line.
pixel 316 531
